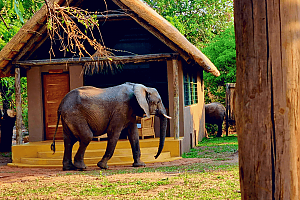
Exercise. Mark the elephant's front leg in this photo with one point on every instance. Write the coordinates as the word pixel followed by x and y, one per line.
pixel 133 137
pixel 113 138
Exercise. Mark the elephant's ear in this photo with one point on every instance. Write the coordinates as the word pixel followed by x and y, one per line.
pixel 140 92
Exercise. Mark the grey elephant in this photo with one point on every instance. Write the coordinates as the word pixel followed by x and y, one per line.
pixel 214 114
pixel 89 111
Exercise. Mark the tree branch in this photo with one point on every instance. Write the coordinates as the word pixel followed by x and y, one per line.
pixel 4 21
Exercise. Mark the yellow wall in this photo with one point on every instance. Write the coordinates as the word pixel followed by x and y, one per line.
pixel 191 118
pixel 194 119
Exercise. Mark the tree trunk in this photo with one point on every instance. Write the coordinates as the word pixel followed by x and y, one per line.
pixel 176 99
pixel 19 137
pixel 267 107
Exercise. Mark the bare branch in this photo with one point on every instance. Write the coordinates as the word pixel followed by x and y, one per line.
pixel 4 21
pixel 62 26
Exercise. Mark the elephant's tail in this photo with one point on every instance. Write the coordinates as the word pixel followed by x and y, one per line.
pixel 53 144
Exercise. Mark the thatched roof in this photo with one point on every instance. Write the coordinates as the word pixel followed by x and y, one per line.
pixel 33 34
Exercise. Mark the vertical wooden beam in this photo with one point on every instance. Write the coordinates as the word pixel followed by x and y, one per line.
pixel 267 88
pixel 18 106
pixel 230 93
pixel 176 98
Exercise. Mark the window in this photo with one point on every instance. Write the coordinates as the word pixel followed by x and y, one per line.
pixel 190 88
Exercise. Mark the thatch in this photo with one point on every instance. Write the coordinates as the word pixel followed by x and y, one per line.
pixel 33 32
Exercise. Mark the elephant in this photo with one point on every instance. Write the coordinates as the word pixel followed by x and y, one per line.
pixel 214 114
pixel 88 111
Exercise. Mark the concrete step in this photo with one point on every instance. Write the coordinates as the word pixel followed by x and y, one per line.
pixel 95 160
pixel 97 153
pixel 121 144
pixel 39 154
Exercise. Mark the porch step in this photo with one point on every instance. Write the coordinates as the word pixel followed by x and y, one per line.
pixel 97 153
pixel 95 160
pixel 38 154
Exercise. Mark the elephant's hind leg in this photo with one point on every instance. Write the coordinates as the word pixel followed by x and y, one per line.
pixel 67 160
pixel 219 134
pixel 82 132
pixel 78 159
pixel 69 141
pixel 85 137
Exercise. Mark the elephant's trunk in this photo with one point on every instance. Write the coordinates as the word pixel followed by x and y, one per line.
pixel 163 128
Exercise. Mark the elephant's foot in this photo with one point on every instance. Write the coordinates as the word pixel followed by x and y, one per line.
pixel 69 167
pixel 79 165
pixel 102 165
pixel 139 164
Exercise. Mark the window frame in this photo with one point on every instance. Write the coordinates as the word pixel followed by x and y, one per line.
pixel 190 87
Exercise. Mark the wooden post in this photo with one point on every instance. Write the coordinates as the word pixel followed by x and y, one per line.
pixel 267 108
pixel 18 106
pixel 176 98
pixel 230 93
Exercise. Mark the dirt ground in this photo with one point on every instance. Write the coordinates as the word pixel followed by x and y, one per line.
pixel 15 174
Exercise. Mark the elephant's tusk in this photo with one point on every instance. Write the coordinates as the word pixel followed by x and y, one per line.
pixel 166 116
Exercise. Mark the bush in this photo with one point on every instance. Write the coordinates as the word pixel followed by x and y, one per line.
pixel 222 52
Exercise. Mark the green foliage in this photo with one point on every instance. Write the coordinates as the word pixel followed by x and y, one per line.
pixel 13 14
pixel 207 24
pixel 9 96
pixel 30 7
pixel 221 51
pixel 6 35
pixel 20 10
pixel 211 129
pixel 198 20
pixel 6 154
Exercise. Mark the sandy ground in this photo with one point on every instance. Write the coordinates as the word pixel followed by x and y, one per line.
pixel 15 174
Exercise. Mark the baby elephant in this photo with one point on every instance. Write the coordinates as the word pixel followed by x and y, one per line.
pixel 214 114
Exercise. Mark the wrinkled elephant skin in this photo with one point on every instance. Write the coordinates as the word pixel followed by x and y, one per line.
pixel 89 111
pixel 214 114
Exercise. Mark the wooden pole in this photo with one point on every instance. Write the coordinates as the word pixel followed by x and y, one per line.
pixel 122 59
pixel 230 93
pixel 267 109
pixel 227 108
pixel 176 98
pixel 18 106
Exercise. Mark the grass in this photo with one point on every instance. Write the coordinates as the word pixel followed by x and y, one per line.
pixel 214 148
pixel 8 154
pixel 210 184
pixel 206 180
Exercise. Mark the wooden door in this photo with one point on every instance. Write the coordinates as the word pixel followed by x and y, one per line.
pixel 55 87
